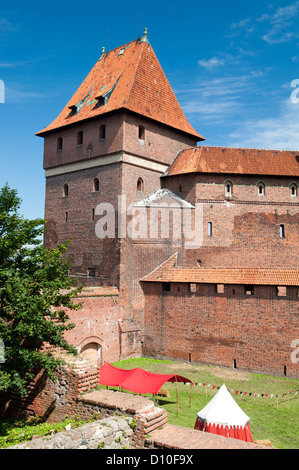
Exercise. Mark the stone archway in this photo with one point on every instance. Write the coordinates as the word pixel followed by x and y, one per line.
pixel 91 349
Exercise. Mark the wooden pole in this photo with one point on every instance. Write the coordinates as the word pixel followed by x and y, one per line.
pixel 190 395
pixel 177 395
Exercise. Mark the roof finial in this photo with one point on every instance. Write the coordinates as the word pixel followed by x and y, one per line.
pixel 103 52
pixel 144 37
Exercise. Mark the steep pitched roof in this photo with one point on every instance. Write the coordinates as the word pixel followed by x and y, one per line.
pixel 235 161
pixel 128 77
pixel 168 272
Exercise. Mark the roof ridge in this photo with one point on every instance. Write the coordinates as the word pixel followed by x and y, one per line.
pixel 244 148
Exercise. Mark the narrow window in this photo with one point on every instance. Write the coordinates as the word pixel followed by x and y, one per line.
pixel 140 185
pixel 92 214
pixel 189 357
pixel 65 190
pixel 141 133
pixel 284 370
pixel 91 272
pixel 59 143
pixel 261 189
pixel 249 290
pixel 235 364
pixel 166 286
pixel 96 185
pixel 228 189
pixel 180 188
pixel 210 229
pixel 102 132
pixel 282 231
pixel 293 190
pixel 66 217
pixel 80 138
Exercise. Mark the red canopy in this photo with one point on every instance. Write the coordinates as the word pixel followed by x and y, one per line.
pixel 136 380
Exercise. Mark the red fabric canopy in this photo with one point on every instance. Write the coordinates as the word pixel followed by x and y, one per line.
pixel 136 380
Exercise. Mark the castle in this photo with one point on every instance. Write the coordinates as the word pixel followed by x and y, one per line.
pixel 186 251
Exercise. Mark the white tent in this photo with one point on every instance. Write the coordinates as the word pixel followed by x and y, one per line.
pixel 222 415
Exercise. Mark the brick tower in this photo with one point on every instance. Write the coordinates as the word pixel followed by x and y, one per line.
pixel 115 137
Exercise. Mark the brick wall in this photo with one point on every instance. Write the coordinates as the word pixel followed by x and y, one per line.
pixel 96 334
pixel 254 331
pixel 53 400
pixel 245 226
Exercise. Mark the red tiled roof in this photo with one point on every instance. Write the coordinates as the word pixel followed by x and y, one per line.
pixel 226 160
pixel 167 272
pixel 137 82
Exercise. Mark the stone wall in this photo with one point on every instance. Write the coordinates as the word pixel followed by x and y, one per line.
pixel 109 433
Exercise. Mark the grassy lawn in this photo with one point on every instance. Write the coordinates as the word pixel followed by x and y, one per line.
pixel 275 419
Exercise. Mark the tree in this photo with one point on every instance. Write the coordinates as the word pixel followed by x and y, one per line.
pixel 35 290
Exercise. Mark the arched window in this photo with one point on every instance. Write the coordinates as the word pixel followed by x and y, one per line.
pixel 65 190
pixel 293 190
pixel 96 185
pixel 261 189
pixel 140 185
pixel 102 132
pixel 228 188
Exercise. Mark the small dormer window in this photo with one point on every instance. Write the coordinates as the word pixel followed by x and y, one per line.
pixel 101 101
pixel 74 110
pixel 141 133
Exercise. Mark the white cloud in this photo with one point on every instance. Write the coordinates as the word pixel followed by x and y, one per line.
pixel 211 63
pixel 281 21
pixel 280 132
pixel 278 27
pixel 219 99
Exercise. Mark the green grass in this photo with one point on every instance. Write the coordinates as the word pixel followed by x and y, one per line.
pixel 275 419
pixel 277 422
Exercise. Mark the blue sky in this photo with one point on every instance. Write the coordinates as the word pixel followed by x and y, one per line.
pixel 231 65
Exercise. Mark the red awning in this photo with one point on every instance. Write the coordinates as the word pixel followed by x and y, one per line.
pixel 136 380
